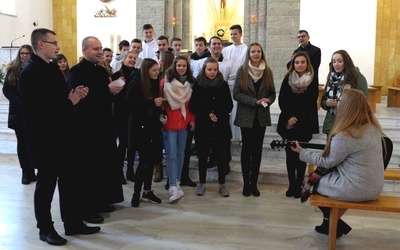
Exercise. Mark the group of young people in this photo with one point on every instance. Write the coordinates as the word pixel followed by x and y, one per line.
pixel 150 98
pixel 350 168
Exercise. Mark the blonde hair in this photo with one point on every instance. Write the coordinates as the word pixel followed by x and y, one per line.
pixel 353 113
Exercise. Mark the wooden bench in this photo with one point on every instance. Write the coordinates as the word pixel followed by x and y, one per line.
pixel 390 174
pixel 338 208
pixel 393 96
pixel 378 93
pixel 372 96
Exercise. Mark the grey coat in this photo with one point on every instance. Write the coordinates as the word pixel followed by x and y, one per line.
pixel 359 173
pixel 246 107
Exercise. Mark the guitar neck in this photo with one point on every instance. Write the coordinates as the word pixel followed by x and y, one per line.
pixel 284 143
pixel 310 145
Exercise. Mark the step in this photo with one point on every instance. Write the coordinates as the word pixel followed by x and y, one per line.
pixel 273 166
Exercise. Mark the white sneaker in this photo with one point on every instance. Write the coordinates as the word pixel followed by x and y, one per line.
pixel 179 188
pixel 173 194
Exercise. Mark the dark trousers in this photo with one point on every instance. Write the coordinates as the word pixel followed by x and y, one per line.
pixel 22 150
pixel 47 180
pixel 121 131
pixel 252 144
pixel 295 168
pixel 149 150
pixel 218 147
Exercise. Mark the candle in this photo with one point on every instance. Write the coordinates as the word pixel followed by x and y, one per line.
pixel 112 42
pixel 118 39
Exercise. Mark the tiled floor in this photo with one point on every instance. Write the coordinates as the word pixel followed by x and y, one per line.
pixel 270 221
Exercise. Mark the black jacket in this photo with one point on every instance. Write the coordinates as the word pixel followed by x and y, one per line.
pixel 216 100
pixel 46 112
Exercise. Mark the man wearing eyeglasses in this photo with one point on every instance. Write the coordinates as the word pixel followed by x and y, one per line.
pixel 313 51
pixel 46 105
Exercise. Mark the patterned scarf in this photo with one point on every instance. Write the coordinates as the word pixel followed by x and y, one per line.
pixel 334 88
pixel 177 94
pixel 298 83
pixel 311 182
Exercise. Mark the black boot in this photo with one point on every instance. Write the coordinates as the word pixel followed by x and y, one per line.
pixel 290 191
pixel 253 185
pixel 324 227
pixel 246 190
pixel 297 191
pixel 246 187
pixel 342 228
pixel 25 178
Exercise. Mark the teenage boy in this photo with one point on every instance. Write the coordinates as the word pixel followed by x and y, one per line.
pixel 201 52
pixel 149 45
pixel 176 45
pixel 116 63
pixel 163 45
pixel 136 46
pixel 237 50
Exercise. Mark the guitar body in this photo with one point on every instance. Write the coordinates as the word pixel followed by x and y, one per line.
pixel 387 154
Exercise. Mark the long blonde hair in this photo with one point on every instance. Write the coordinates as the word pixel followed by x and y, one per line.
pixel 267 78
pixel 353 113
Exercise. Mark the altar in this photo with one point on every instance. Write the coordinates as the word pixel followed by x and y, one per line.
pixel 8 53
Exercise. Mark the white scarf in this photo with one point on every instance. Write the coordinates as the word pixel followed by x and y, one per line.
pixel 256 73
pixel 299 84
pixel 177 94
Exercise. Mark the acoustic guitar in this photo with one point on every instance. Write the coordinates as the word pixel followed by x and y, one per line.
pixel 277 144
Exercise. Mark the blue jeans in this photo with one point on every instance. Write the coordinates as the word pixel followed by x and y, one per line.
pixel 175 143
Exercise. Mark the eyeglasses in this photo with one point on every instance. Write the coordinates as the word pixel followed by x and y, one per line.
pixel 24 53
pixel 302 36
pixel 55 42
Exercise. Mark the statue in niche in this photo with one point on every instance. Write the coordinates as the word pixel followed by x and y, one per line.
pixel 223 15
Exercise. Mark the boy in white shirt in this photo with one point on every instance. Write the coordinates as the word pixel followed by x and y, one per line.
pixel 149 45
pixel 237 50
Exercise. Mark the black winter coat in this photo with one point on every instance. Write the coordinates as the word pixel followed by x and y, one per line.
pixel 94 129
pixel 46 112
pixel 205 100
pixel 303 106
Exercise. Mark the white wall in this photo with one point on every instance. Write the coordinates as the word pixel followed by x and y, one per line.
pixel 27 12
pixel 342 24
pixel 339 24
pixel 122 27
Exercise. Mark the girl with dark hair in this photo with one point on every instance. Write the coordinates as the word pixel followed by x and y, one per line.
pixel 342 74
pixel 10 90
pixel 211 103
pixel 177 86
pixel 62 63
pixel 143 99
pixel 299 116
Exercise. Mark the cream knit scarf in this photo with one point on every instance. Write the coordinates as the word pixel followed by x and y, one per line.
pixel 298 83
pixel 177 94
pixel 256 73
